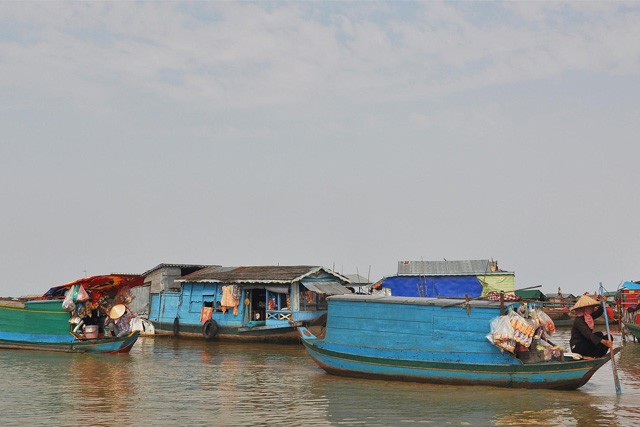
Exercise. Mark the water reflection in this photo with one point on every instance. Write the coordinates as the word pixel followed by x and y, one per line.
pixel 390 403
pixel 192 382
pixel 629 365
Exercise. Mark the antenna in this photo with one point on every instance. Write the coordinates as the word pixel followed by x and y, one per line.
pixel 369 275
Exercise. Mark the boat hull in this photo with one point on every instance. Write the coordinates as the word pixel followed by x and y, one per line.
pixel 633 329
pixel 106 345
pixel 256 334
pixel 551 375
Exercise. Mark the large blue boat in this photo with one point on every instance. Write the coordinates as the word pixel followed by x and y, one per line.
pixel 430 340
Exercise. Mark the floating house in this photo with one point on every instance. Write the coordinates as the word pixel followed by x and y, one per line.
pixel 629 295
pixel 564 299
pixel 255 302
pixel 449 279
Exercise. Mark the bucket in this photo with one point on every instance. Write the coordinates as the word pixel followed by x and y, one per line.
pixel 91 331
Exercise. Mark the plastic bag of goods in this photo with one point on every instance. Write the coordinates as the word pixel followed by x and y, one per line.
pixel 68 303
pixel 502 334
pixel 82 294
pixel 524 330
pixel 546 322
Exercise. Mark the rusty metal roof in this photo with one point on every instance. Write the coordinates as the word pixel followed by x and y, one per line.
pixel 256 274
pixel 357 279
pixel 163 265
pixel 445 268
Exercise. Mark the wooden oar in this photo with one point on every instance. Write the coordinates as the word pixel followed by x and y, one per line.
pixel 611 352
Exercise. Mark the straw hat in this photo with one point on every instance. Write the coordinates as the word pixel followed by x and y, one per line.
pixel 117 311
pixel 585 301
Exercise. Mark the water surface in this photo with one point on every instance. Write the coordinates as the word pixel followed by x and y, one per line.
pixel 167 381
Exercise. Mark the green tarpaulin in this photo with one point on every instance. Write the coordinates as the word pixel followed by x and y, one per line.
pixel 534 294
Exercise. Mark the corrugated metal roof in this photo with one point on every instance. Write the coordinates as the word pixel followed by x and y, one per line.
pixel 329 288
pixel 255 274
pixel 357 279
pixel 159 266
pixel 443 268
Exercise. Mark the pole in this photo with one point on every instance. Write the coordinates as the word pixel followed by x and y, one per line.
pixel 613 359
pixel 473 299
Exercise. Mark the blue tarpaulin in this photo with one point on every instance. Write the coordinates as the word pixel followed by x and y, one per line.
pixel 631 285
pixel 434 286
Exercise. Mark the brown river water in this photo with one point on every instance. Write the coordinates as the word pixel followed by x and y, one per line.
pixel 187 382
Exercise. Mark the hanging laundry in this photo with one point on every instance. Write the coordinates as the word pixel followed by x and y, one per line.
pixel 229 299
pixel 205 314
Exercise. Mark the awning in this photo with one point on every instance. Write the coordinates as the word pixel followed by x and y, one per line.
pixel 329 288
pixel 278 289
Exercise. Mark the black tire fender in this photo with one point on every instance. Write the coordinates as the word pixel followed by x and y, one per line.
pixel 176 326
pixel 210 329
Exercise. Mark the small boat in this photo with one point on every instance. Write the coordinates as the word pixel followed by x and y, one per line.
pixel 431 340
pixel 43 324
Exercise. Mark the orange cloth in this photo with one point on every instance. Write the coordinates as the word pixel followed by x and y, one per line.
pixel 229 300
pixel 205 314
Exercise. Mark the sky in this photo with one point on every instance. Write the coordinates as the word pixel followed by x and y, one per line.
pixel 349 135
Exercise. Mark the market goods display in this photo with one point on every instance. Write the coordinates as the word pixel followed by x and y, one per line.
pixel 523 331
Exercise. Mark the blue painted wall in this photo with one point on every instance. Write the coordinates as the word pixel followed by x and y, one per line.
pixel 406 330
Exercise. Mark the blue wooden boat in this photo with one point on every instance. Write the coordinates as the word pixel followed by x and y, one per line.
pixel 430 340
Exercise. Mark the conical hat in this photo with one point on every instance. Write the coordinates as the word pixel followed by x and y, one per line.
pixel 117 311
pixel 585 301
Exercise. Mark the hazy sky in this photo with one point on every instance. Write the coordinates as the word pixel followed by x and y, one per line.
pixel 353 134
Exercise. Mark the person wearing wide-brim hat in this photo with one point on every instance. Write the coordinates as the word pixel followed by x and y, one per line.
pixel 118 320
pixel 584 340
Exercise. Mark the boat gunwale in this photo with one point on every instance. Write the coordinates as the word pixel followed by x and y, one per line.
pixel 434 302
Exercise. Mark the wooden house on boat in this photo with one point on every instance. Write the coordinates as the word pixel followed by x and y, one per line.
pixel 255 302
pixel 560 298
pixel 449 279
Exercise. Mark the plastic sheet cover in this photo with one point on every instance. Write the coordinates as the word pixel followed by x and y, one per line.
pixel 631 286
pixel 434 286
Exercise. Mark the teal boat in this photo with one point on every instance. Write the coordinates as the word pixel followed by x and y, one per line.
pixel 43 323
pixel 431 340
pixel 633 329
